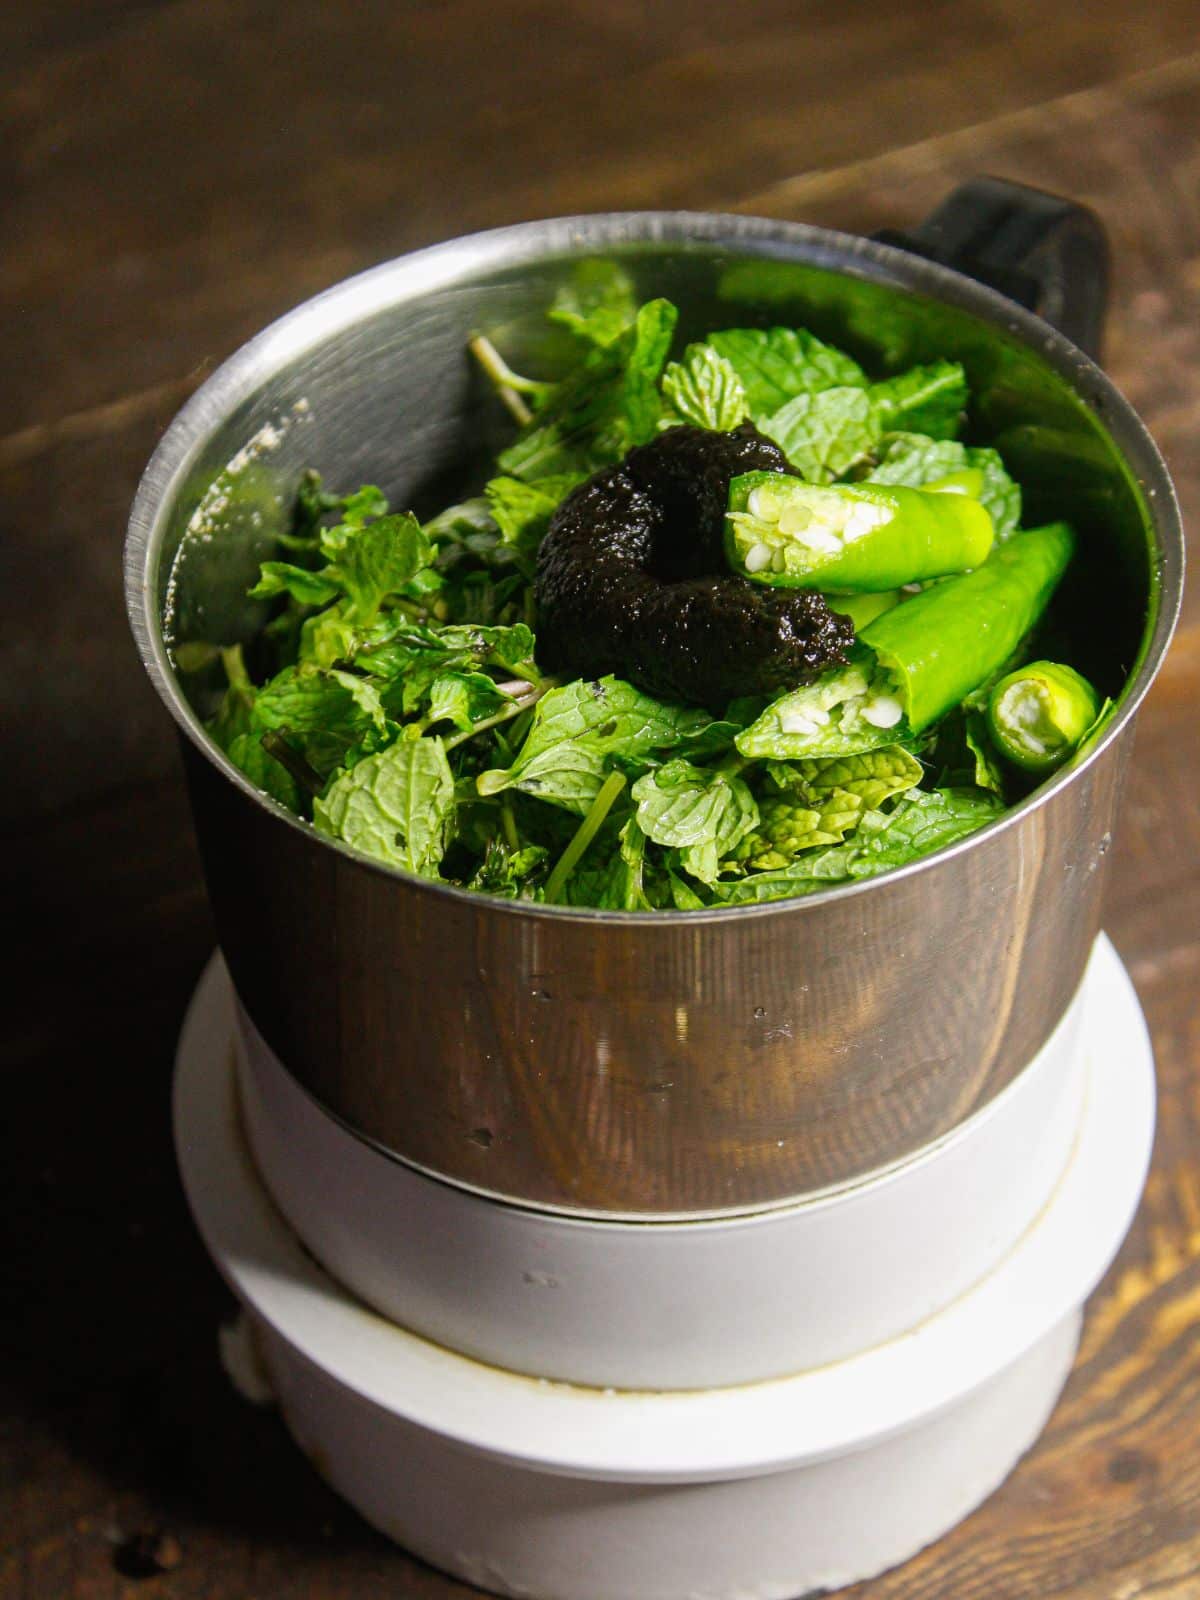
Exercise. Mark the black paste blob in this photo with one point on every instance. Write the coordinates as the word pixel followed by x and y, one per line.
pixel 632 580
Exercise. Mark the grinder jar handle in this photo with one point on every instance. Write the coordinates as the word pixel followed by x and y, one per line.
pixel 1048 254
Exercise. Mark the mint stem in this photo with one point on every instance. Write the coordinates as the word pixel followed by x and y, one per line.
pixel 505 380
pixel 509 824
pixel 235 668
pixel 514 709
pixel 584 834
pixel 408 608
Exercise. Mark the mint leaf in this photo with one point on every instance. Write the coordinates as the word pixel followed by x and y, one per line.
pixel 986 771
pixel 914 459
pixel 522 511
pixel 704 390
pixel 1001 494
pixel 308 699
pixel 624 885
pixel 325 713
pixel 578 728
pixel 464 698
pixel 331 637
pixel 354 511
pixel 508 872
pixel 309 588
pixel 640 404
pixel 921 823
pixel 872 777
pixel 788 825
pixel 609 403
pixel 683 896
pixel 824 434
pixel 395 806
pixel 927 400
pixel 313 504
pixel 701 811
pixel 484 579
pixel 819 802
pixel 378 560
pixel 962 752
pixel 412 655
pixel 776 364
pixel 371 557
pixel 598 303
pixel 264 772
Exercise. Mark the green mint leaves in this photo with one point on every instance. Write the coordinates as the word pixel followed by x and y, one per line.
pixel 608 404
pixel 522 511
pixel 395 806
pixel 922 821
pixel 575 731
pixel 777 364
pixel 370 556
pixel 597 304
pixel 823 435
pixel 703 812
pixel 820 802
pixel 704 390
pixel 378 561
pixel 928 400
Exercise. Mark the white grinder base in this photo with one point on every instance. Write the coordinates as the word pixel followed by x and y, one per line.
pixel 746 1493
pixel 655 1303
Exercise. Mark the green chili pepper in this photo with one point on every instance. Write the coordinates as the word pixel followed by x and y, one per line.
pixel 864 608
pixel 1038 715
pixel 968 480
pixel 915 662
pixel 850 537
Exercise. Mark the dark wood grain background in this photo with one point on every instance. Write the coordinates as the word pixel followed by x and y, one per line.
pixel 173 175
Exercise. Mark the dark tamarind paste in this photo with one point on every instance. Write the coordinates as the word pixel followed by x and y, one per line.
pixel 632 579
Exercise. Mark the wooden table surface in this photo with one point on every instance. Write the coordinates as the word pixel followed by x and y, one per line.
pixel 173 176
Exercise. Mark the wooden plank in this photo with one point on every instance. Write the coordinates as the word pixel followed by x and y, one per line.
pixel 242 165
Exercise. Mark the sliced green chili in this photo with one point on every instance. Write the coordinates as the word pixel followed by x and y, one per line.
pixel 915 662
pixel 851 537
pixel 1038 715
pixel 864 608
pixel 967 480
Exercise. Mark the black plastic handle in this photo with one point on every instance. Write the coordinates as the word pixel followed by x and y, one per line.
pixel 1048 254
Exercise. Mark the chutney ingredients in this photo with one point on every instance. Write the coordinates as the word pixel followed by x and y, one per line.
pixel 607 404
pixel 920 462
pixel 921 821
pixel 559 690
pixel 1039 714
pixel 631 579
pixel 921 658
pixel 809 803
pixel 864 608
pixel 851 537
